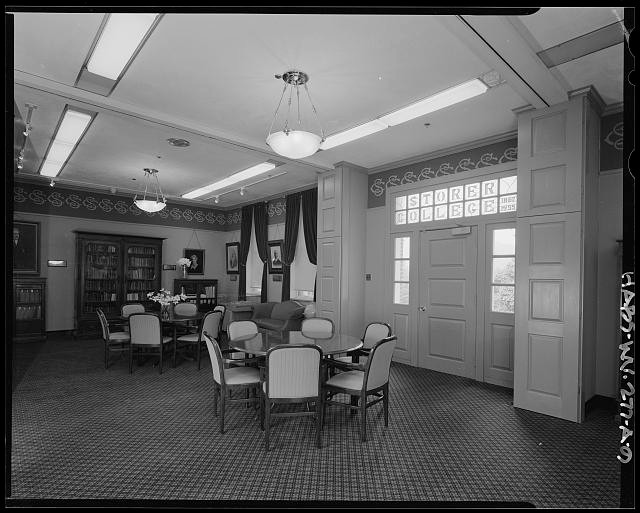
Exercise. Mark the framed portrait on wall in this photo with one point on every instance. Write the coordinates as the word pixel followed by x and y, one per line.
pixel 232 257
pixel 197 260
pixel 275 256
pixel 26 247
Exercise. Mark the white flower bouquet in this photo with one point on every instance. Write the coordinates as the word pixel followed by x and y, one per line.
pixel 165 297
pixel 184 262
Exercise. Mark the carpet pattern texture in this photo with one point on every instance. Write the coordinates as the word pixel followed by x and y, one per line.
pixel 79 431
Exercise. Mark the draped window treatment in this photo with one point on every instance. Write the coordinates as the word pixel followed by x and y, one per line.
pixel 243 252
pixel 290 240
pixel 260 225
pixel 310 225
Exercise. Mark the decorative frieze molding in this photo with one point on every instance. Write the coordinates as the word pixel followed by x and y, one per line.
pixel 474 158
pixel 34 198
pixel 611 134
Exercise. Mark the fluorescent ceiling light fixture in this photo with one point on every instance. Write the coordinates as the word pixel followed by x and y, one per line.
pixel 70 130
pixel 353 133
pixel 119 40
pixel 438 101
pixel 230 180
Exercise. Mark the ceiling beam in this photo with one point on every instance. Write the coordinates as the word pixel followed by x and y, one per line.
pixel 102 103
pixel 497 42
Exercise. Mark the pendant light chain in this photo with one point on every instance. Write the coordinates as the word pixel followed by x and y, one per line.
pixel 277 108
pixel 314 111
pixel 286 121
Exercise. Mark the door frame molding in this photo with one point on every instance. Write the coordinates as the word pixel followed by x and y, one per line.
pixel 410 357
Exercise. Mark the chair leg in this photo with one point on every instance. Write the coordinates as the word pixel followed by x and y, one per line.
pixel 130 358
pixel 385 405
pixel 215 399
pixel 222 408
pixel 363 419
pixel 319 407
pixel 199 349
pixel 161 355
pixel 106 355
pixel 261 407
pixel 267 407
pixel 175 351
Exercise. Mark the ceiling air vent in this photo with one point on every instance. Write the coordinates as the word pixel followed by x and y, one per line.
pixel 180 143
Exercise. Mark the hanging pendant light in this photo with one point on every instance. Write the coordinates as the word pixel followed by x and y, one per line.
pixel 288 142
pixel 150 205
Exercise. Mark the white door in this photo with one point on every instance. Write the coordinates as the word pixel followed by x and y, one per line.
pixel 447 335
pixel 499 304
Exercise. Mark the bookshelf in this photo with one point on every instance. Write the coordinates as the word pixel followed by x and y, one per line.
pixel 29 303
pixel 204 293
pixel 114 270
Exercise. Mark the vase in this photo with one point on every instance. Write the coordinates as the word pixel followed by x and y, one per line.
pixel 164 312
pixel 184 272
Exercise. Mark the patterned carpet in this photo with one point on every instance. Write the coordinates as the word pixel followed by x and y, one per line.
pixel 80 432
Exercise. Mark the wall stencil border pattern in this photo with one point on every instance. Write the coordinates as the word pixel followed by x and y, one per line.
pixel 475 158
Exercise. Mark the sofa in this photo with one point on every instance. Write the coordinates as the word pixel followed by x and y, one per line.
pixel 285 316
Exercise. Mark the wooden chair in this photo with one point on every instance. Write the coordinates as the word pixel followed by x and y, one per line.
pixel 293 375
pixel 227 379
pixel 318 327
pixel 210 323
pixel 113 342
pixel 360 384
pixel 146 332
pixel 374 332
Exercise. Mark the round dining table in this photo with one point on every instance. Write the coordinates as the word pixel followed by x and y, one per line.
pixel 259 344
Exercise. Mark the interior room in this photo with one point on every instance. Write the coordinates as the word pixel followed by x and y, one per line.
pixel 341 257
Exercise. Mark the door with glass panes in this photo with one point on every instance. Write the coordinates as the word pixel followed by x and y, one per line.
pixel 499 304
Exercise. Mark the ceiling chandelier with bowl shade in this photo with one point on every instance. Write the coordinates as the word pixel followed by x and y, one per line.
pixel 293 142
pixel 151 205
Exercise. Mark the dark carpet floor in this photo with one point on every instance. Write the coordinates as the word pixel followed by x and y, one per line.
pixel 79 431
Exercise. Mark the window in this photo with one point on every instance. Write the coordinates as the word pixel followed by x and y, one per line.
pixel 303 272
pixel 401 264
pixel 254 266
pixel 488 197
pixel 503 271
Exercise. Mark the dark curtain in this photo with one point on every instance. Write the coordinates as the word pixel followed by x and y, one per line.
pixel 245 240
pixel 290 240
pixel 260 225
pixel 310 224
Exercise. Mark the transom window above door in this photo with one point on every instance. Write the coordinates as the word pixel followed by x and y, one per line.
pixel 462 200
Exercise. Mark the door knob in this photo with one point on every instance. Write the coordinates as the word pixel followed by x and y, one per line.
pixel 422 308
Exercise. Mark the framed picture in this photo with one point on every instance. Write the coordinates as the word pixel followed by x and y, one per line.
pixel 197 260
pixel 275 256
pixel 26 247
pixel 232 257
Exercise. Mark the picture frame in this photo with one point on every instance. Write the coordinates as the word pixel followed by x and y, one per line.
pixel 275 256
pixel 233 257
pixel 25 247
pixel 197 256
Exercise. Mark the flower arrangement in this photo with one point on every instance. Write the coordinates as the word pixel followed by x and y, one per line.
pixel 186 262
pixel 164 297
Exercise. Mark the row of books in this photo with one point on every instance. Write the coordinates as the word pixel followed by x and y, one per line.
pixel 100 296
pixel 27 312
pixel 137 296
pixel 104 285
pixel 28 295
pixel 141 274
pixel 102 248
pixel 101 274
pixel 141 262
pixel 141 250
pixel 102 260
pixel 106 308
pixel 136 286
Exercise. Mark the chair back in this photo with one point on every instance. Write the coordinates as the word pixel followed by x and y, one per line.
pixel 185 309
pixel 237 329
pixel 374 332
pixel 220 308
pixel 293 371
pixel 127 310
pixel 103 324
pixel 215 355
pixel 211 323
pixel 376 372
pixel 318 327
pixel 145 329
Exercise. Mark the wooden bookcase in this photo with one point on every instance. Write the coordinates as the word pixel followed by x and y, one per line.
pixel 29 296
pixel 113 270
pixel 204 293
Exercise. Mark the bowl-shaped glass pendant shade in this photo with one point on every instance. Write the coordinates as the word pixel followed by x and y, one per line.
pixel 294 144
pixel 150 205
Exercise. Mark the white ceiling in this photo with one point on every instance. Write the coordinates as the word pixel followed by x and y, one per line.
pixel 209 78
